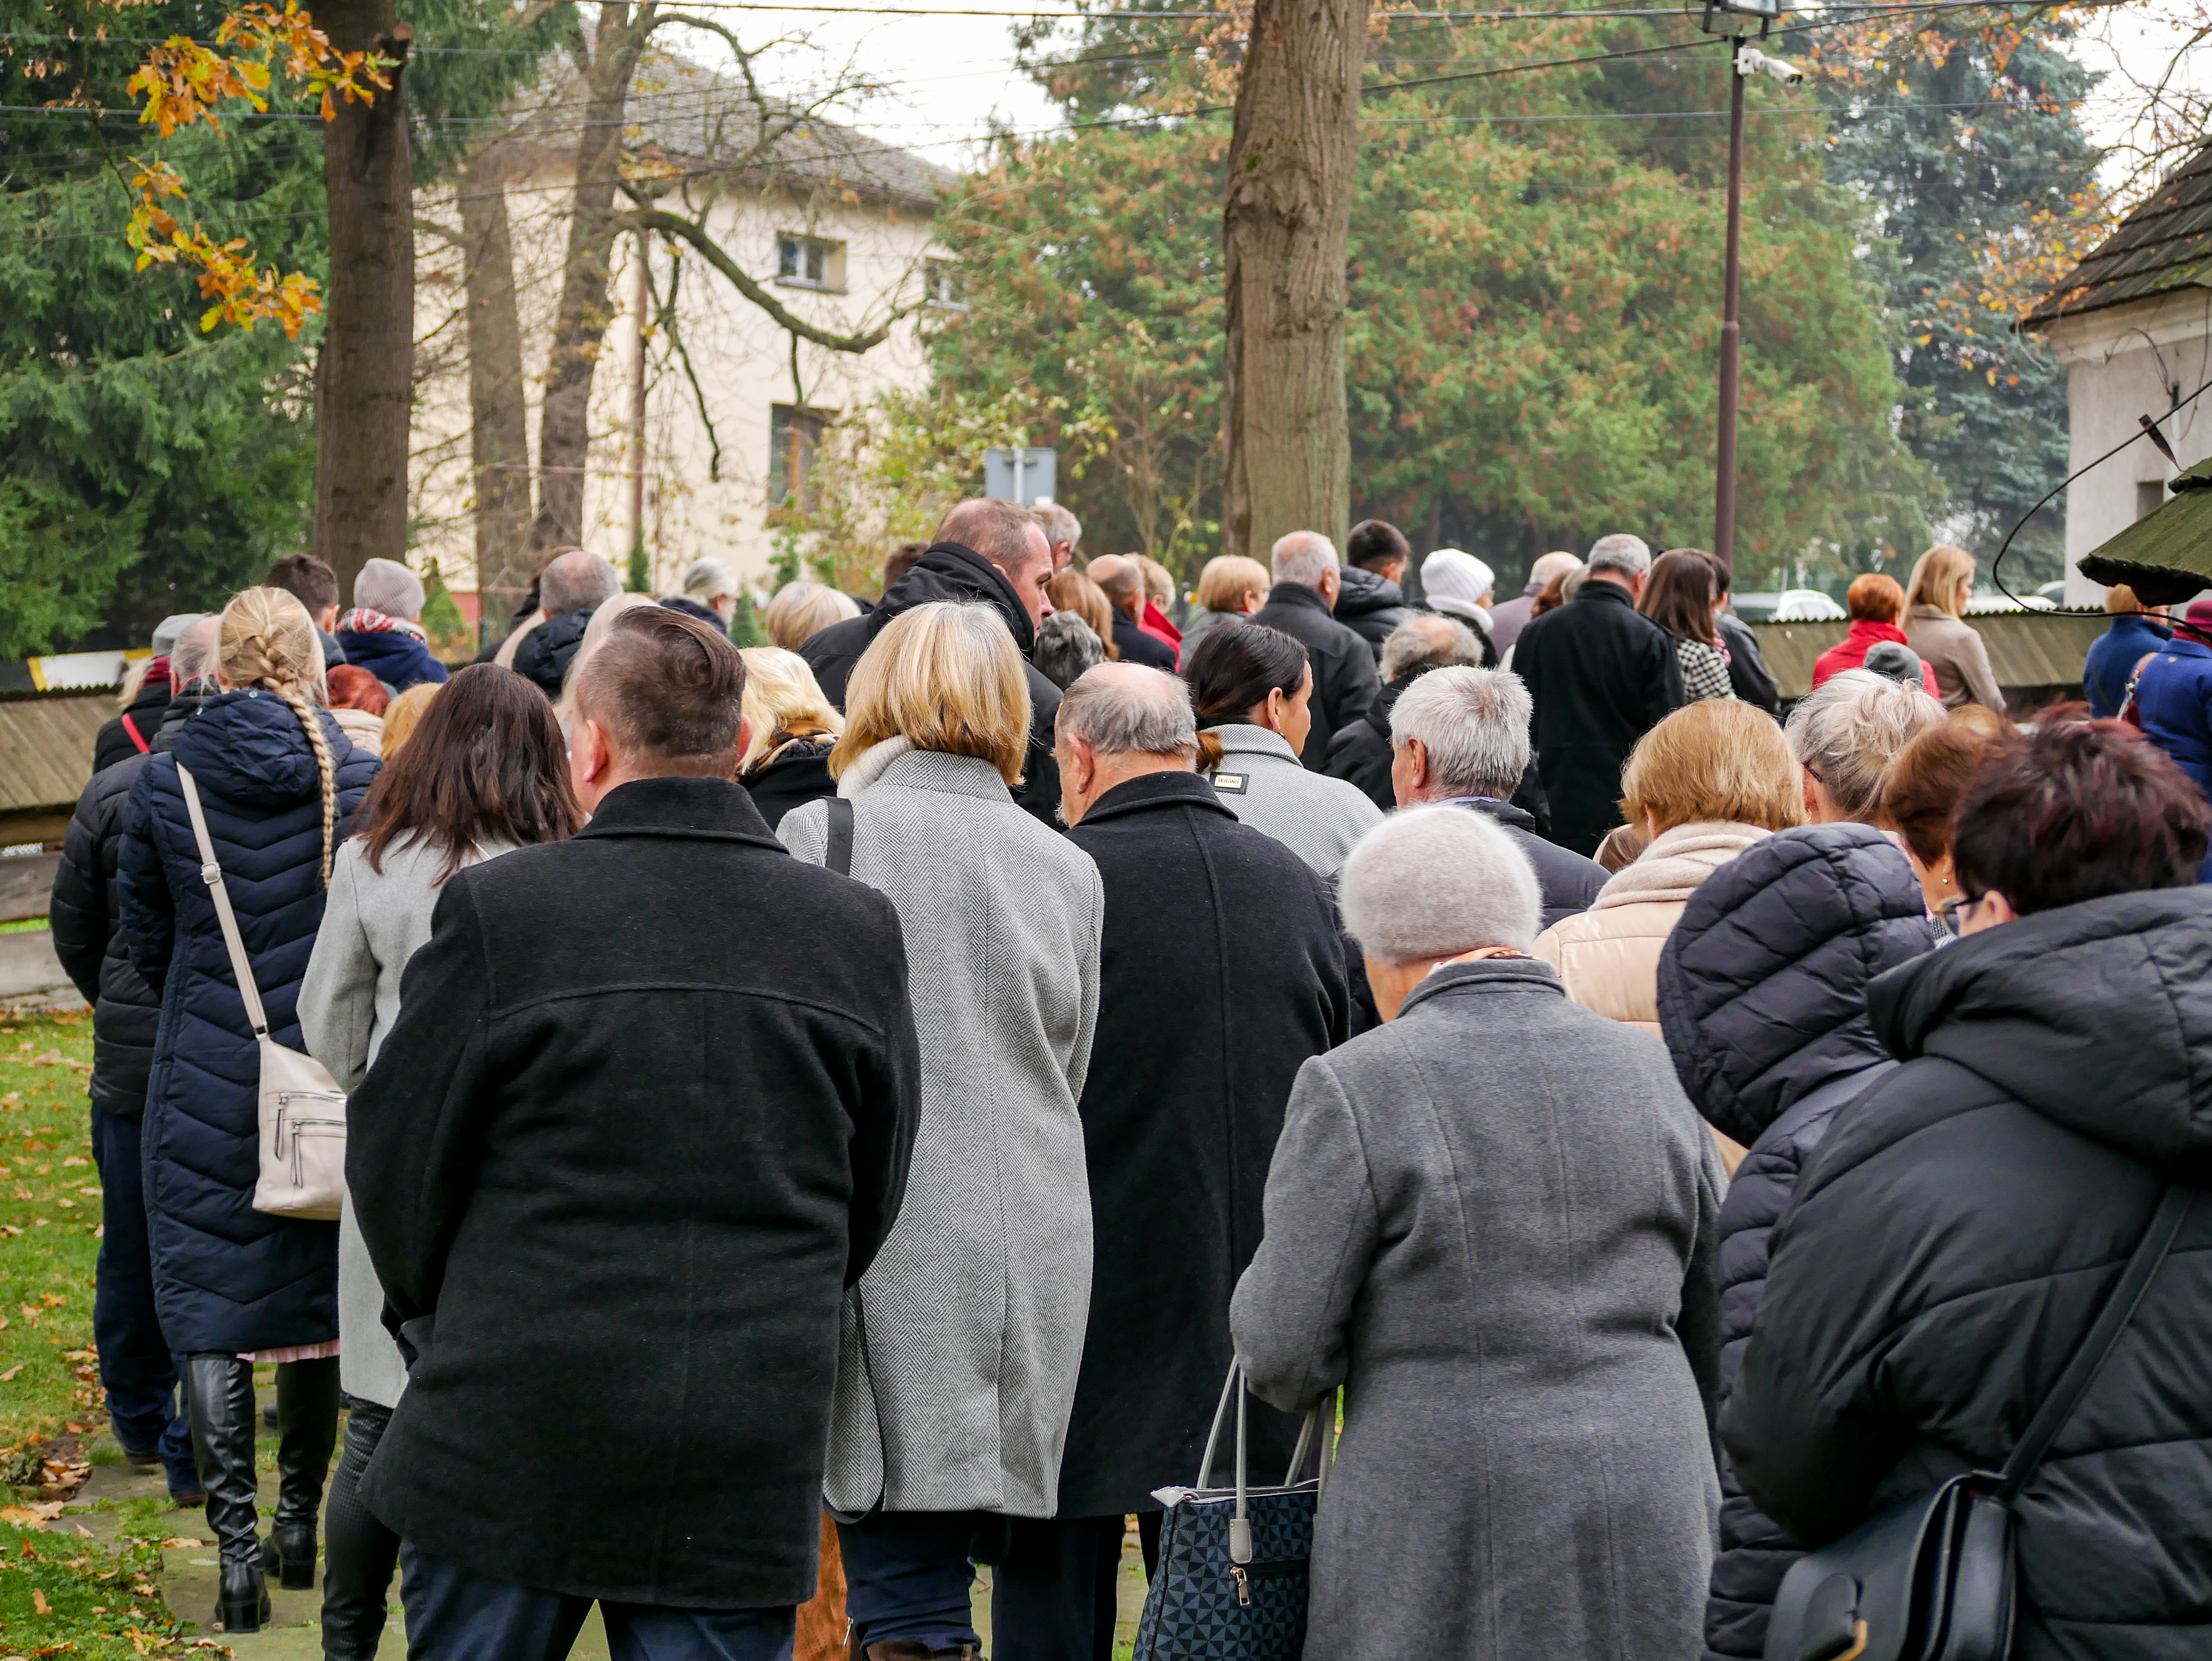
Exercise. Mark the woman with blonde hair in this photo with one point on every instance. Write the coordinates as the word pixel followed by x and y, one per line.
pixel 403 712
pixel 1229 589
pixel 793 728
pixel 1935 600
pixel 801 610
pixel 1072 591
pixel 961 1342
pixel 277 783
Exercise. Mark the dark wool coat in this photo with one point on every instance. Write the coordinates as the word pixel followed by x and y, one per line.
pixel 950 571
pixel 798 774
pixel 1601 676
pixel 86 914
pixel 113 743
pixel 1956 1236
pixel 1200 1034
pixel 1345 677
pixel 546 651
pixel 227 1277
pixel 1370 605
pixel 629 1149
pixel 1762 999
pixel 393 656
pixel 1749 677
pixel 1135 646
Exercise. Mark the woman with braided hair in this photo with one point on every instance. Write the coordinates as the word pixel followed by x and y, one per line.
pixel 277 781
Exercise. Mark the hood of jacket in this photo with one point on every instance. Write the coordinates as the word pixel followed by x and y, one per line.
pixel 2097 1016
pixel 1677 863
pixel 1360 593
pixel 949 571
pixel 249 747
pixel 546 651
pixel 1763 981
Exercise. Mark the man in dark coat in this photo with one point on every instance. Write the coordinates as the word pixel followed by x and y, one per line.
pixel 136 1369
pixel 1122 581
pixel 574 586
pixel 1967 1219
pixel 1369 600
pixel 1220 971
pixel 627 1151
pixel 1360 753
pixel 1462 737
pixel 1301 605
pixel 1602 676
pixel 986 551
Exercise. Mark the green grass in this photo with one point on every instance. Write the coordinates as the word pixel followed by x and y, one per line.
pixel 60 1595
pixel 25 925
pixel 49 1229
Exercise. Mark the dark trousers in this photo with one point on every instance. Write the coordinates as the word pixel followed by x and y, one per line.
pixel 1056 1592
pixel 907 1575
pixel 359 1553
pixel 454 1614
pixel 136 1367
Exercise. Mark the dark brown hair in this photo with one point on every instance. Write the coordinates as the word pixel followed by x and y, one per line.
pixel 1928 779
pixel 1679 593
pixel 307 580
pixel 1723 579
pixel 1236 665
pixel 670 687
pixel 901 561
pixel 2081 809
pixel 485 764
pixel 1374 543
pixel 1551 596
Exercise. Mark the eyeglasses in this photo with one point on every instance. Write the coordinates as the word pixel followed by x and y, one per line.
pixel 1950 911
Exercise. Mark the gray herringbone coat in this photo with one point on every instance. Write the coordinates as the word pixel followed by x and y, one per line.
pixel 962 1343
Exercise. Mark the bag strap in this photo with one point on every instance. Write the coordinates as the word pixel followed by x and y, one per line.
pixel 2097 1348
pixel 839 857
pixel 211 874
pixel 131 727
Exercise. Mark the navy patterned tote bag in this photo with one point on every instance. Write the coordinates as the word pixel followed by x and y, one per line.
pixel 1231 1580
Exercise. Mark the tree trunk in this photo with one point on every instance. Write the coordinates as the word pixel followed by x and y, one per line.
pixel 363 397
pixel 499 434
pixel 580 320
pixel 1287 227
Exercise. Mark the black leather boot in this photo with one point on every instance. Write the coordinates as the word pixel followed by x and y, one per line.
pixel 361 1552
pixel 221 1389
pixel 307 1429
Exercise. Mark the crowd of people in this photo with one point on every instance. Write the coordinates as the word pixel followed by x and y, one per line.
pixel 880 1081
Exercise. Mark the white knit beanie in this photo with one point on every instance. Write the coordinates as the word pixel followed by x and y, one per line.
pixel 1455 582
pixel 386 586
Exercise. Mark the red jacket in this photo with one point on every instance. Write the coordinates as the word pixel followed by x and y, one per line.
pixel 1851 653
pixel 1155 623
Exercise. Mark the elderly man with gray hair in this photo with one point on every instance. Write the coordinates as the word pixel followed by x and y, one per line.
pixel 710 593
pixel 573 586
pixel 1602 675
pixel 1062 530
pixel 1492 1221
pixel 1460 736
pixel 1221 970
pixel 1360 753
pixel 1302 603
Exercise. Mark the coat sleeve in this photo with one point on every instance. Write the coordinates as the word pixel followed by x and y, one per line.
pixel 1668 693
pixel 337 998
pixel 1698 1326
pixel 885 1115
pixel 1321 1230
pixel 149 917
pixel 1356 685
pixel 77 913
pixel 1078 1058
pixel 1973 660
pixel 415 1129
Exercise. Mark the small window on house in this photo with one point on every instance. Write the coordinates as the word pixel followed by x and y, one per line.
pixel 810 262
pixel 942 284
pixel 2150 495
pixel 794 439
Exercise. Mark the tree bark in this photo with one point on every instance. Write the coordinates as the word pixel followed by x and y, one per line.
pixel 1286 228
pixel 362 393
pixel 580 320
pixel 499 433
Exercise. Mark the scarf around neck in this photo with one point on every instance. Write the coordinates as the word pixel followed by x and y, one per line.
pixel 362 621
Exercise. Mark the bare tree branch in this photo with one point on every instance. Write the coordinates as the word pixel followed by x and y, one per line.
pixel 675 225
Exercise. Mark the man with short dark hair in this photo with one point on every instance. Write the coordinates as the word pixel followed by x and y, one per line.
pixel 1371 599
pixel 988 550
pixel 644 1116
pixel 1302 603
pixel 315 586
pixel 1122 581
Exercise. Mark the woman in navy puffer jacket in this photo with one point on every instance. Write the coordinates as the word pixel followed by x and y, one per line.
pixel 277 781
pixel 1762 998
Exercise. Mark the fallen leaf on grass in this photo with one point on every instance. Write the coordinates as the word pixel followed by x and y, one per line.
pixel 52 1058
pixel 70 1205
pixel 8 1377
pixel 84 1533
pixel 30 1517
pixel 182 1543
pixel 38 1602
pixel 7 1229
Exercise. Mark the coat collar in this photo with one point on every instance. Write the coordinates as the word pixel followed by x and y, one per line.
pixel 1150 791
pixel 1239 740
pixel 681 808
pixel 947 774
pixel 1485 974
pixel 1297 593
pixel 1598 592
pixel 2182 646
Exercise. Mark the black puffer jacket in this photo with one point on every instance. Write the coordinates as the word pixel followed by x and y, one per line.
pixel 1955 1239
pixel 947 570
pixel 1762 997
pixel 546 651
pixel 113 743
pixel 1370 605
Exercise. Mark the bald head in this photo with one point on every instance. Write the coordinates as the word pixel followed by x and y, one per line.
pixel 1305 557
pixel 1551 565
pixel 1117 722
pixel 577 580
pixel 1122 580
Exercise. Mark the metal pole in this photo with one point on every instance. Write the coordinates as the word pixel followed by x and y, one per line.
pixel 1731 329
pixel 637 400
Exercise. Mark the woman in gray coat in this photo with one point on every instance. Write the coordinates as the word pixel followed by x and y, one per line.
pixel 962 1343
pixel 1492 1221
pixel 484 773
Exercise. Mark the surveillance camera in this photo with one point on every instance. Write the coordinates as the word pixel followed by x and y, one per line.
pixel 1752 61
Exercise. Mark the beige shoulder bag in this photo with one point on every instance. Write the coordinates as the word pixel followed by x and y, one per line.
pixel 302 1108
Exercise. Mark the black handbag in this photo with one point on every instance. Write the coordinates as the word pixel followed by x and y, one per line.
pixel 1931 1579
pixel 1232 1580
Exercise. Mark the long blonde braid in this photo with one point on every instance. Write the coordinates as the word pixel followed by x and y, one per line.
pixel 268 641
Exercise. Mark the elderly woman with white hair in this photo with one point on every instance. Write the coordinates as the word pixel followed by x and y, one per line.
pixel 1492 1220
pixel 1845 734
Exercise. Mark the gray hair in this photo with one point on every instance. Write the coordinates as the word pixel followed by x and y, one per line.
pixel 1065 646
pixel 708 579
pixel 1555 564
pixel 575 581
pixel 1432 882
pixel 1126 709
pixel 1847 731
pixel 1060 525
pixel 1303 557
pixel 193 655
pixel 1475 725
pixel 1630 555
pixel 1426 640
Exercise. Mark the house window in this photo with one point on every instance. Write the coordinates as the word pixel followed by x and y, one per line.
pixel 943 285
pixel 810 262
pixel 2150 497
pixel 794 439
